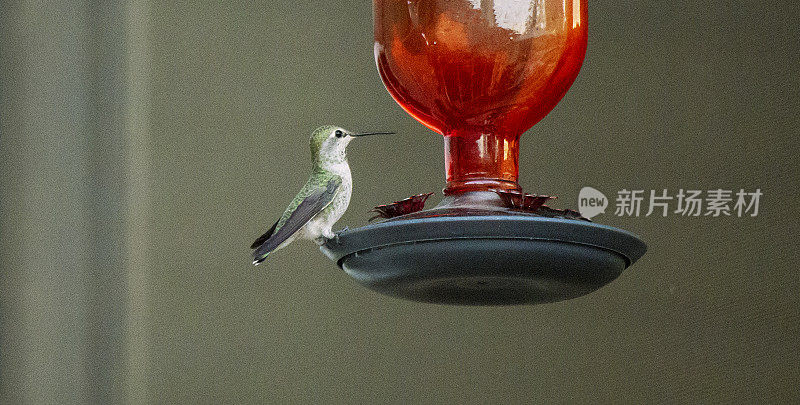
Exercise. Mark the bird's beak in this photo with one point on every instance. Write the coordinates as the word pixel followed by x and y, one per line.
pixel 372 133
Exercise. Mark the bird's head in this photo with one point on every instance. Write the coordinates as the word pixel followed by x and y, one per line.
pixel 329 142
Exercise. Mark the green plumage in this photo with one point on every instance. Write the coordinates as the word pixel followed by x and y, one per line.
pixel 318 180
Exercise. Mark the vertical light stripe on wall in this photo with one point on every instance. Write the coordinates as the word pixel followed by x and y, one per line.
pixel 137 257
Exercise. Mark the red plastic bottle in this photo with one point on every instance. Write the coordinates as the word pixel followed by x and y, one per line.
pixel 480 73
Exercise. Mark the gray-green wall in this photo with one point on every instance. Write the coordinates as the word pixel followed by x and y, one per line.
pixel 144 145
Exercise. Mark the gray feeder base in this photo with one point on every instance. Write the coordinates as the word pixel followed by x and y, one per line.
pixel 485 260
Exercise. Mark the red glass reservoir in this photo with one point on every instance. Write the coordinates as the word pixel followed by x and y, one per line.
pixel 479 72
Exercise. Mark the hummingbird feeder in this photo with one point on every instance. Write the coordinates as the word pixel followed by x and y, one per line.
pixel 481 73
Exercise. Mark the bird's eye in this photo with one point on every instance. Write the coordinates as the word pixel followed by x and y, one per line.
pixel 339 133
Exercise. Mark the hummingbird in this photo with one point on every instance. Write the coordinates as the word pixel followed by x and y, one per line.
pixel 322 200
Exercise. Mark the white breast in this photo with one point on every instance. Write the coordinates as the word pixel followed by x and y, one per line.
pixel 322 224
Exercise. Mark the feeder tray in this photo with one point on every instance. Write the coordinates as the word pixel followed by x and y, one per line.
pixel 478 256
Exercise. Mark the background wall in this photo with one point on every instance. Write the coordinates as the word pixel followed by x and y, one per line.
pixel 126 273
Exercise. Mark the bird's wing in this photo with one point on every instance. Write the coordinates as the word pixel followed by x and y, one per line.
pixel 311 205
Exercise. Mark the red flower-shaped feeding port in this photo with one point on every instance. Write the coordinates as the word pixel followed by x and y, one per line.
pixel 518 200
pixel 523 201
pixel 407 206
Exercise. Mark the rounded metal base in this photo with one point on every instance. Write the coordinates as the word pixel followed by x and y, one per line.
pixel 485 260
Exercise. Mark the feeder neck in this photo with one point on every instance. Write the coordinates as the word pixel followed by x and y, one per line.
pixel 480 161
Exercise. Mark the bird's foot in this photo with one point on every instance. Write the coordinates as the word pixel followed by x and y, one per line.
pixel 325 237
pixel 336 235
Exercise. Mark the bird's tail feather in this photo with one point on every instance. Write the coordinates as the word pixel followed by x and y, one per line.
pixel 260 259
pixel 263 238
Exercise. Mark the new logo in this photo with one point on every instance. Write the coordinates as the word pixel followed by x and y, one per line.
pixel 591 202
